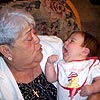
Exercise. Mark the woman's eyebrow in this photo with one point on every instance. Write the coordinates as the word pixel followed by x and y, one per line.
pixel 28 31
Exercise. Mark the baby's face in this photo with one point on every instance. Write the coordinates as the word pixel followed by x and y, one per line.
pixel 72 48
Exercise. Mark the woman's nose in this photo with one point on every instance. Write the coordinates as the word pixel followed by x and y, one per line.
pixel 35 38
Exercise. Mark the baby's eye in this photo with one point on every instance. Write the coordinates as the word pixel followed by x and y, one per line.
pixel 71 40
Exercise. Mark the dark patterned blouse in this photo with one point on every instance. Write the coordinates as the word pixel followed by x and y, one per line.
pixel 38 89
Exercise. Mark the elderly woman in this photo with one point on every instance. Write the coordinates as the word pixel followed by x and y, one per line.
pixel 21 73
pixel 21 76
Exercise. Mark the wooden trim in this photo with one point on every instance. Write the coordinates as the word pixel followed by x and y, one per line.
pixel 75 12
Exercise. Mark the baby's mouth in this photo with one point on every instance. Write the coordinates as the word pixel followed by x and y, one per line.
pixel 64 50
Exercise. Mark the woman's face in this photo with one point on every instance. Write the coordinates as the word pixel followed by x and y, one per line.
pixel 27 50
pixel 72 48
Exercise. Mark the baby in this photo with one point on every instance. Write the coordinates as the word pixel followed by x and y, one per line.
pixel 78 73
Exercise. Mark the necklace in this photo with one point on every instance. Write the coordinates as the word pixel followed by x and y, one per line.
pixel 28 87
pixel 35 92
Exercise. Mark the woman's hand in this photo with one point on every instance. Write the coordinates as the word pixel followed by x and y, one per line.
pixel 95 96
pixel 86 90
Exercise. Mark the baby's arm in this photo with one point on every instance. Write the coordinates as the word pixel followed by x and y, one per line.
pixel 50 73
pixel 90 89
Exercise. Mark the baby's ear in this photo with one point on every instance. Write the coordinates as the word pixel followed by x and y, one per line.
pixel 85 51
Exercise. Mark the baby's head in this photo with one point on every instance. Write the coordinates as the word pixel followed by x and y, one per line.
pixel 80 45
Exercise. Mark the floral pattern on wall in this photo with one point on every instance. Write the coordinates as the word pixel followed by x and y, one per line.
pixel 53 17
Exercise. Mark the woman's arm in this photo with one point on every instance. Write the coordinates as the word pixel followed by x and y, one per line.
pixel 88 90
pixel 94 97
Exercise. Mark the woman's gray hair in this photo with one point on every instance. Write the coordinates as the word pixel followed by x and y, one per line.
pixel 12 21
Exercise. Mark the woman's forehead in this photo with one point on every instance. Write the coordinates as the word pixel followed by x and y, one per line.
pixel 27 28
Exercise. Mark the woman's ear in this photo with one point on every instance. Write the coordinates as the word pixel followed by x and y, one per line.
pixel 6 52
pixel 85 51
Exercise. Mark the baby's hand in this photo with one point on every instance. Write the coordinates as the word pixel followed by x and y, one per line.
pixel 52 59
pixel 86 90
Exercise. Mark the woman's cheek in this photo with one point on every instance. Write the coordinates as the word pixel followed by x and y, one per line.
pixel 30 46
